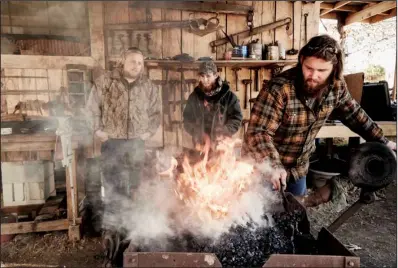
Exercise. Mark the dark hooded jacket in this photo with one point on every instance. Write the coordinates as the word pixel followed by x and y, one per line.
pixel 215 115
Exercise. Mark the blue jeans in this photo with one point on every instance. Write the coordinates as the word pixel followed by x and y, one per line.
pixel 298 187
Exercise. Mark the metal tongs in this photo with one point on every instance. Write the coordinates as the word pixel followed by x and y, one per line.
pixel 290 203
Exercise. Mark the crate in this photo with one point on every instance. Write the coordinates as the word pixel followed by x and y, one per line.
pixel 27 183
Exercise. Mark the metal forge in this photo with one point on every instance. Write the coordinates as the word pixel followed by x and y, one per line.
pixel 289 243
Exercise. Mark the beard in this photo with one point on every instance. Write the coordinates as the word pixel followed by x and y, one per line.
pixel 131 74
pixel 314 88
pixel 206 88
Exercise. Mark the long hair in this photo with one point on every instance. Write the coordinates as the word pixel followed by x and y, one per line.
pixel 326 48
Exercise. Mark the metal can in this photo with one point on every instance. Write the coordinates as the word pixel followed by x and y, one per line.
pixel 282 51
pixel 273 53
pixel 256 51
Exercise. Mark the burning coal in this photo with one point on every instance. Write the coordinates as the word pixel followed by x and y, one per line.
pixel 204 198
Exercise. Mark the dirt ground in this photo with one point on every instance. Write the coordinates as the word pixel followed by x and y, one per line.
pixel 372 229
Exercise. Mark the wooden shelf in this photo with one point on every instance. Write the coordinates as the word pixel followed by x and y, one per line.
pixel 219 63
pixel 44 62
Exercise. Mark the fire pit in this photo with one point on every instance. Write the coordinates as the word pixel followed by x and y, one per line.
pixel 287 242
pixel 243 247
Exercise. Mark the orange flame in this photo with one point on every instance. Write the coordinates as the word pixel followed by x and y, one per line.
pixel 209 187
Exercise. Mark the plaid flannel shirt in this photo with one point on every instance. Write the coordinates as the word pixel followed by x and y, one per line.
pixel 283 127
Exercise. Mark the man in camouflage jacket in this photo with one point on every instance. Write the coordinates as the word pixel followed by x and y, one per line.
pixel 291 110
pixel 124 111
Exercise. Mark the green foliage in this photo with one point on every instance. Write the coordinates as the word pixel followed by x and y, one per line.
pixel 375 73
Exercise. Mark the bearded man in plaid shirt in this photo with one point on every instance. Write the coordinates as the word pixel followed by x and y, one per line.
pixel 289 112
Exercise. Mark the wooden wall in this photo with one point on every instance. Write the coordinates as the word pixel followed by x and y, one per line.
pixel 170 42
pixel 165 43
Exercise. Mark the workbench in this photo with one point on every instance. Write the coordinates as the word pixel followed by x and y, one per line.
pixel 338 130
pixel 41 146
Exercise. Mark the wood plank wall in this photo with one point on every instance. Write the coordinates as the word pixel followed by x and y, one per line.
pixel 170 42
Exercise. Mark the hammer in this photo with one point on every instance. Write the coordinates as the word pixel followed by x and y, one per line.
pixel 255 69
pixel 236 70
pixel 244 123
pixel 246 82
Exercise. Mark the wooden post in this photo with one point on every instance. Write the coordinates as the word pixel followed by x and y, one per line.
pixel 96 22
pixel 394 88
pixel 74 231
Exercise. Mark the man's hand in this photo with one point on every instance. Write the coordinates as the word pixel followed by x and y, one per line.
pixel 392 145
pixel 103 136
pixel 277 178
pixel 204 147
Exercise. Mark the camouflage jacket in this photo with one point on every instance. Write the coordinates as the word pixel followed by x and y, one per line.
pixel 124 110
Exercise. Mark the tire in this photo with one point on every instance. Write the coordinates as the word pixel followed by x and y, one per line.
pixel 373 166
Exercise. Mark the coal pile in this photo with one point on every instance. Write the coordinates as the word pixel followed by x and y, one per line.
pixel 251 246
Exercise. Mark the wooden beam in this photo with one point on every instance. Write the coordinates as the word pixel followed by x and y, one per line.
pixel 370 12
pixel 380 17
pixel 346 8
pixel 331 16
pixel 194 6
pixel 43 62
pixel 96 24
pixel 29 227
pixel 336 7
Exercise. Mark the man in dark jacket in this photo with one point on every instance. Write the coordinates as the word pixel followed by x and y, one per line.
pixel 212 110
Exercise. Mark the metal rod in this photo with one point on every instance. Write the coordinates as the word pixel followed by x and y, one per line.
pixel 345 216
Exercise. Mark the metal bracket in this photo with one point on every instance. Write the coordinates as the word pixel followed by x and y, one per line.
pixel 249 18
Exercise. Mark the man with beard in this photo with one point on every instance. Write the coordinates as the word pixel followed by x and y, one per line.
pixel 124 111
pixel 212 111
pixel 288 114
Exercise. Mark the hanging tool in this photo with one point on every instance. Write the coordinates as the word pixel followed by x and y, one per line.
pixel 130 35
pixel 305 27
pixel 236 70
pixel 292 51
pixel 255 69
pixel 203 27
pixel 138 37
pixel 123 48
pixel 195 6
pixel 249 18
pixel 246 82
pixel 244 123
pixel 254 31
pixel 148 15
pixel 148 38
pixel 230 39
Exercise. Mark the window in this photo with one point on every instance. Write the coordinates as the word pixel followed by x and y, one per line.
pixel 45 28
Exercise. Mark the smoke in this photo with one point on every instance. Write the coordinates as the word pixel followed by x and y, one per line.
pixel 154 216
